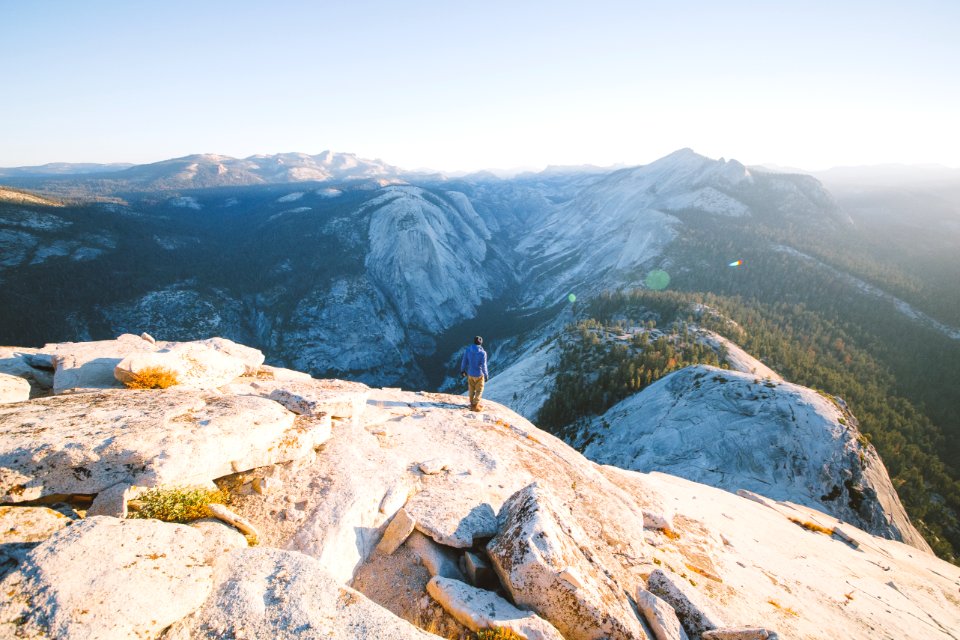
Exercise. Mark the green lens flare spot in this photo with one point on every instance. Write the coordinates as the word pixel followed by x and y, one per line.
pixel 658 279
pixel 572 298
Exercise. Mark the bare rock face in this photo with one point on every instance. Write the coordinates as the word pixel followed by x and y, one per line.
pixel 22 529
pixel 740 633
pixel 106 578
pixel 735 431
pixel 114 501
pixel 13 389
pixel 545 561
pixel 85 443
pixel 479 609
pixel 219 538
pixel 269 593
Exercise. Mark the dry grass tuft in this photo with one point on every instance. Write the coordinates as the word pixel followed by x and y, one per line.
pixel 497 633
pixel 152 378
pixel 786 610
pixel 812 526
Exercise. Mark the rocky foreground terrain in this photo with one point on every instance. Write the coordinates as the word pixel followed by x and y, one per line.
pixel 380 513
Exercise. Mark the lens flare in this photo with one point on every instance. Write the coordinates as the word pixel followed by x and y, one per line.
pixel 735 263
pixel 572 298
pixel 658 279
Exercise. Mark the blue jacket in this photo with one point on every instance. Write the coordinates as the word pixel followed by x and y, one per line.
pixel 474 361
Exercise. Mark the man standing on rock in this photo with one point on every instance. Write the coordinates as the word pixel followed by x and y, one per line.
pixel 473 365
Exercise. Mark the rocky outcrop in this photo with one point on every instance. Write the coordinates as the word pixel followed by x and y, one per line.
pixel 85 443
pixel 478 609
pixel 107 364
pixel 196 366
pixel 735 431
pixel 546 562
pixel 428 256
pixel 30 365
pixel 577 545
pixel 691 608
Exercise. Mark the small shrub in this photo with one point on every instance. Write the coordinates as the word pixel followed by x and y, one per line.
pixel 178 504
pixel 152 378
pixel 497 633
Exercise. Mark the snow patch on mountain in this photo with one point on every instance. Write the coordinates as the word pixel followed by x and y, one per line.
pixel 730 430
pixel 707 199
pixel 34 220
pixel 291 197
pixel 173 243
pixel 185 202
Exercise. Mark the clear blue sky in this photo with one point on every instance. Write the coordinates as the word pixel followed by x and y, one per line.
pixel 456 85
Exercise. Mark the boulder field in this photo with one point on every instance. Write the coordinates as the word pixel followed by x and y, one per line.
pixel 356 512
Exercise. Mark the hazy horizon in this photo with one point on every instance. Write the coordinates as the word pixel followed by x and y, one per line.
pixel 514 170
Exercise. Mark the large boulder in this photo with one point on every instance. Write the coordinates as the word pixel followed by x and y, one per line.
pixel 269 593
pixel 106 578
pixel 447 510
pixel 547 563
pixel 479 609
pixel 34 367
pixel 660 616
pixel 13 389
pixel 196 365
pixel 85 443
